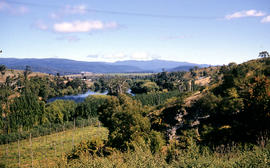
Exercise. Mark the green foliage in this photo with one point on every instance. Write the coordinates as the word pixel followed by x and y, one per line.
pixel 141 157
pixel 117 86
pixel 25 112
pixel 157 98
pixel 94 147
pixel 60 111
pixel 49 150
pixel 194 156
pixel 125 121
pixel 46 129
pixel 234 109
pixel 237 109
pixel 144 86
pixel 91 106
pixel 169 81
pixel 77 83
pixel 156 141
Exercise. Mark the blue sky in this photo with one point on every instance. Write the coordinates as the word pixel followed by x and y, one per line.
pixel 198 31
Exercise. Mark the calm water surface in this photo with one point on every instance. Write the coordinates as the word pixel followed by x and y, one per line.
pixel 77 98
pixel 80 97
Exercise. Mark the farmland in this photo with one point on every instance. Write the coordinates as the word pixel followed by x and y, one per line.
pixel 48 151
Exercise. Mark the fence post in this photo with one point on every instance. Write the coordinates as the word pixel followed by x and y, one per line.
pixel 54 149
pixel 19 153
pixel 7 150
pixel 62 144
pixel 32 156
pixel 73 132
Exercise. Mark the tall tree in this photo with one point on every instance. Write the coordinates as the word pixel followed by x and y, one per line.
pixel 117 86
pixel 3 69
pixel 27 71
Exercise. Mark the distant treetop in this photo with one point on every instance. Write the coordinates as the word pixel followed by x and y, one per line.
pixel 264 54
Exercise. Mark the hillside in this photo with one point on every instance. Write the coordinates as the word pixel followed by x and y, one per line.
pixel 158 65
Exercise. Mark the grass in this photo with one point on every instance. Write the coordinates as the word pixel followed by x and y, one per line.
pixel 48 151
pixel 192 158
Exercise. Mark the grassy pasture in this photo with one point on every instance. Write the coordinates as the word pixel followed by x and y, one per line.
pixel 48 151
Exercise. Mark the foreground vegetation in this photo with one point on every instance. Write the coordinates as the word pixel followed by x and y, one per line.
pixel 48 151
pixel 194 157
pixel 209 117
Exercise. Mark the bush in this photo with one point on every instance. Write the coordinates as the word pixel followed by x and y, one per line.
pixel 94 147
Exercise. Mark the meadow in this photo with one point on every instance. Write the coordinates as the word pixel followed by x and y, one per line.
pixel 47 151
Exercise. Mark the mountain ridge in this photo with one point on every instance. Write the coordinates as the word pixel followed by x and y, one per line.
pixel 68 66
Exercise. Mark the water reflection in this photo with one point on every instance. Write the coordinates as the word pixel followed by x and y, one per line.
pixel 77 98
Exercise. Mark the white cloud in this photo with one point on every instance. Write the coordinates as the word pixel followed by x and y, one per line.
pixel 140 56
pixel 120 56
pixel 82 26
pixel 266 19
pixel 12 9
pixel 117 56
pixel 245 13
pixel 41 25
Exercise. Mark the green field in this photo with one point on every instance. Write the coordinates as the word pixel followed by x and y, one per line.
pixel 48 151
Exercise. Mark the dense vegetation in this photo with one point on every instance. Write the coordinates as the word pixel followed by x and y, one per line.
pixel 23 100
pixel 209 117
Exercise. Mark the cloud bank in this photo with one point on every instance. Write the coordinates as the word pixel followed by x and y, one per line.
pixel 266 19
pixel 140 55
pixel 82 26
pixel 245 13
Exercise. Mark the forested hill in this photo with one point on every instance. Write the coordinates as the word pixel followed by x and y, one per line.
pixel 235 108
pixel 65 66
pixel 158 65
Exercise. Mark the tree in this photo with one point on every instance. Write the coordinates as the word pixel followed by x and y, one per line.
pixel 264 54
pixel 91 106
pixel 27 71
pixel 117 86
pixel 2 69
pixel 125 121
pixel 258 104
pixel 26 111
pixel 60 111
pixel 144 86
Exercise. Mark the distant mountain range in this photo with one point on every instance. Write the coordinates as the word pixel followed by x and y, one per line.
pixel 65 66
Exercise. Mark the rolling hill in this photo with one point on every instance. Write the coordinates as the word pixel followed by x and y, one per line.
pixel 66 66
pixel 158 65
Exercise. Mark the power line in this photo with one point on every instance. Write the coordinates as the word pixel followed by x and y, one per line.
pixel 120 12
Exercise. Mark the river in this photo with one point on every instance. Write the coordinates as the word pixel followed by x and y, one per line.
pixel 80 97
pixel 77 98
